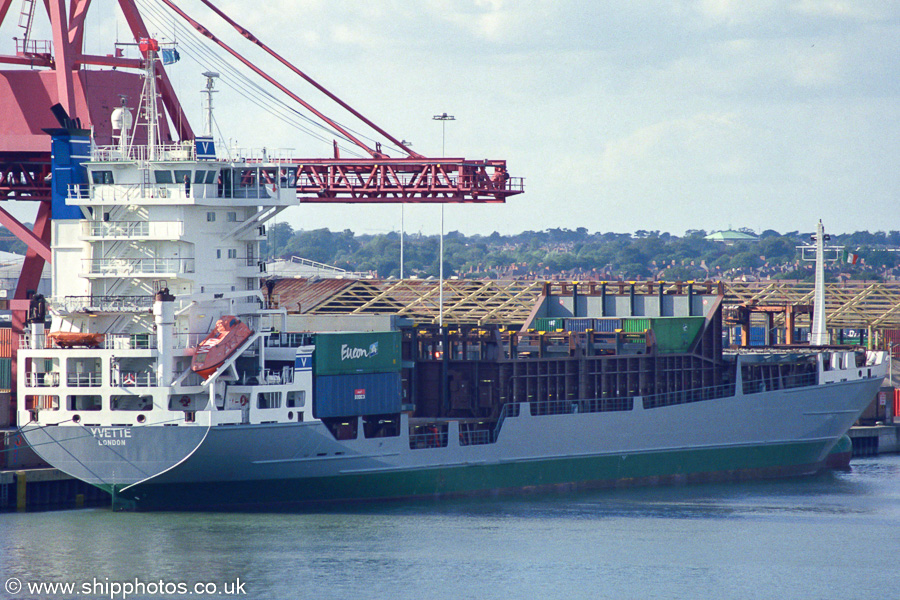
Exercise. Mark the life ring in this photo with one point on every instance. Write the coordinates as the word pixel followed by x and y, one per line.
pixel 185 401
pixel 244 400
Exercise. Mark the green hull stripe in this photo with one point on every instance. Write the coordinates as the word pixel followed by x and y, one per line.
pixel 647 468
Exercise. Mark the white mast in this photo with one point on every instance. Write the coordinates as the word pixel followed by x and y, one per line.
pixel 818 335
pixel 209 91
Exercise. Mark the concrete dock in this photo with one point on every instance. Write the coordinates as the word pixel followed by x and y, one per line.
pixel 875 439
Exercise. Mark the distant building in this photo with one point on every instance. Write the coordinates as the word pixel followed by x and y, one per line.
pixel 731 237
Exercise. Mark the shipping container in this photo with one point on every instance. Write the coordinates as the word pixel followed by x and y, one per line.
pixel 6 344
pixel 358 352
pixel 675 334
pixel 5 373
pixel 892 341
pixel 607 325
pixel 549 323
pixel 356 394
pixel 578 324
pixel 6 415
pixel 757 336
pixel 635 324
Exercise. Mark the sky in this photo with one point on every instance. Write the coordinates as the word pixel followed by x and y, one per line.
pixel 621 116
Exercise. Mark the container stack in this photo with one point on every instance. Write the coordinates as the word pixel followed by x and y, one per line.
pixel 356 374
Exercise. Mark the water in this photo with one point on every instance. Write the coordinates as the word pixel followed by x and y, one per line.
pixel 832 536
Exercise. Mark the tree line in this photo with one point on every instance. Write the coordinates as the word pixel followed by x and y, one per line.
pixel 579 253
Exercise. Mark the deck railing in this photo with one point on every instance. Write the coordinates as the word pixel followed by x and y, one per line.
pixel 87 379
pixel 42 379
pixel 105 303
pixel 138 266
pixel 134 379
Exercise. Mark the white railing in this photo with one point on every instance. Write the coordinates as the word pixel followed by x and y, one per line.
pixel 89 379
pixel 130 341
pixel 188 340
pixel 164 152
pixel 138 266
pixel 135 192
pixel 126 229
pixel 134 379
pixel 134 229
pixel 104 303
pixel 42 379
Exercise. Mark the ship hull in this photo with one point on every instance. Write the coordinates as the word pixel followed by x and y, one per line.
pixel 769 434
pixel 564 474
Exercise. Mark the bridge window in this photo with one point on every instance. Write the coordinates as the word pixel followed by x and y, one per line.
pixel 102 177
pixel 87 402
pixel 296 398
pixel 268 400
pixel 211 176
pixel 199 176
pixel 210 216
pixel 162 176
pixel 131 403
pixel 180 175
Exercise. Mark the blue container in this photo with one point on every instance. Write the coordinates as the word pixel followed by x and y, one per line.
pixel 356 394
pixel 607 325
pixel 578 324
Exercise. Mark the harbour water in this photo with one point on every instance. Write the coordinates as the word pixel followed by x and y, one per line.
pixel 836 535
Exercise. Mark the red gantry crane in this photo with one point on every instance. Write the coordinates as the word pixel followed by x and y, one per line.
pixel 55 74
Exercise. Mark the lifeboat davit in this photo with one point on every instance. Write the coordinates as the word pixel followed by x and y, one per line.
pixel 228 335
pixel 72 339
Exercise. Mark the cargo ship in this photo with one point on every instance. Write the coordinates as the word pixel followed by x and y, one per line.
pixel 155 246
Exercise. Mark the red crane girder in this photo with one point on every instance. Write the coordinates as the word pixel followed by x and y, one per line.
pixel 414 180
pixel 25 176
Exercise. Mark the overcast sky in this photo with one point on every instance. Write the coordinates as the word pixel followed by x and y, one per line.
pixel 668 115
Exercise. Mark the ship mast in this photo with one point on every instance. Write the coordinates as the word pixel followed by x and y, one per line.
pixel 150 112
pixel 209 91
pixel 818 335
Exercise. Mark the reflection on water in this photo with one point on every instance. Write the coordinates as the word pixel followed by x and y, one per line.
pixel 817 537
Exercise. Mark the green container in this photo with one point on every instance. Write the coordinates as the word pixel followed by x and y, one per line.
pixel 675 334
pixel 362 352
pixel 5 373
pixel 635 324
pixel 549 323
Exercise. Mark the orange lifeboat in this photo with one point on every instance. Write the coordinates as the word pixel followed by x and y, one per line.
pixel 227 336
pixel 72 339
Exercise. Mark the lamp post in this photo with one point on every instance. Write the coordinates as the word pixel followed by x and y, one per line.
pixel 443 118
pixel 407 145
